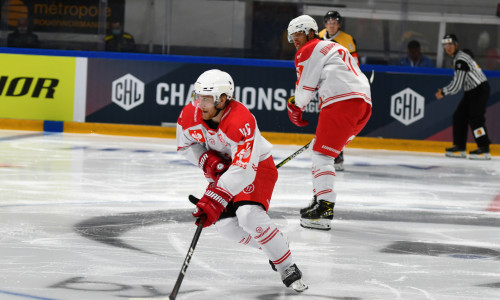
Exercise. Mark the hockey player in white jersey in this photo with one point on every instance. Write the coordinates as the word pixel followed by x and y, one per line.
pixel 221 136
pixel 344 94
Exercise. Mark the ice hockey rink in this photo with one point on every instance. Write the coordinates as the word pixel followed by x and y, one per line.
pixel 87 216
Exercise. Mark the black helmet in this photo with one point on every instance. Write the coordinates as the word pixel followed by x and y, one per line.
pixel 449 38
pixel 332 14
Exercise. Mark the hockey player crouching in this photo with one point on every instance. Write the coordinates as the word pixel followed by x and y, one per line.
pixel 345 106
pixel 221 136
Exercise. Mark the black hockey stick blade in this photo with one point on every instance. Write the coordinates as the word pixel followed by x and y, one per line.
pixel 193 199
pixel 185 265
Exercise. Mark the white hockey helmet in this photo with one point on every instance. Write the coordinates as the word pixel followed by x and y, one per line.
pixel 302 23
pixel 214 83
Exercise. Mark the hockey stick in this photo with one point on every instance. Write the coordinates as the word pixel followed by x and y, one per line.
pixel 195 200
pixel 289 158
pixel 185 265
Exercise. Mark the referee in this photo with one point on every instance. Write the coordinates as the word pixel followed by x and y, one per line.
pixel 472 107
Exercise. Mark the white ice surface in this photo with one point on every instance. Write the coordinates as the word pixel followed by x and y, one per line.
pixel 107 217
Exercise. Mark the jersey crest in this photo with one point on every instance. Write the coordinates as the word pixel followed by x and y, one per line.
pixel 197 134
pixel 242 156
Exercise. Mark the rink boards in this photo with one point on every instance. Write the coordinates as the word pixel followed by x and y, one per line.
pixel 74 91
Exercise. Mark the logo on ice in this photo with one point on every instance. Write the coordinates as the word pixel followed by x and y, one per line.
pixel 128 92
pixel 407 106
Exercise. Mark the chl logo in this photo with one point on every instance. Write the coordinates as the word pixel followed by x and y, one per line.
pixel 407 106
pixel 127 92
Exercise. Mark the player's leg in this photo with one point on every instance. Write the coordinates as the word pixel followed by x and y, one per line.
pixel 314 200
pixel 460 124
pixel 229 228
pixel 320 215
pixel 254 219
pixel 251 211
pixel 330 139
pixel 272 242
pixel 477 109
pixel 338 124
pixel 339 162
pixel 363 118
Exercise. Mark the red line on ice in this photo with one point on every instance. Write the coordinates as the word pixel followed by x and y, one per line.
pixel 495 204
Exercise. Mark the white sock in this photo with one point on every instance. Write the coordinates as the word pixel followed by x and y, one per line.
pixel 323 176
pixel 255 220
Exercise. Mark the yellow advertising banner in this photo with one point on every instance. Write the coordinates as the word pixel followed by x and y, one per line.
pixel 37 87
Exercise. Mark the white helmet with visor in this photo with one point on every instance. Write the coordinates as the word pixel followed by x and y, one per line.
pixel 214 83
pixel 302 23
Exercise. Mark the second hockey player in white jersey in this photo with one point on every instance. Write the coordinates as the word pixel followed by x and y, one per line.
pixel 345 107
pixel 221 136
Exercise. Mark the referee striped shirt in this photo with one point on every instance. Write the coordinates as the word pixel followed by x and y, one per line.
pixel 468 74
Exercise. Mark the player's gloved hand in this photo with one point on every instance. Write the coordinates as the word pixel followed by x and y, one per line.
pixel 295 113
pixel 212 204
pixel 213 165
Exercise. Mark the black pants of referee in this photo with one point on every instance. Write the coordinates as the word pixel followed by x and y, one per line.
pixel 471 111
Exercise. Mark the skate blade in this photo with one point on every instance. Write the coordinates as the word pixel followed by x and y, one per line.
pixel 484 156
pixel 319 224
pixel 299 286
pixel 456 154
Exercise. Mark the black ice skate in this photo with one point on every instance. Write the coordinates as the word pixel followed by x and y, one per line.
pixel 481 153
pixel 292 277
pixel 339 162
pixel 319 217
pixel 456 151
pixel 314 201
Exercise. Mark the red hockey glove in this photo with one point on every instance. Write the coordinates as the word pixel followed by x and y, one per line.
pixel 212 204
pixel 213 165
pixel 295 113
